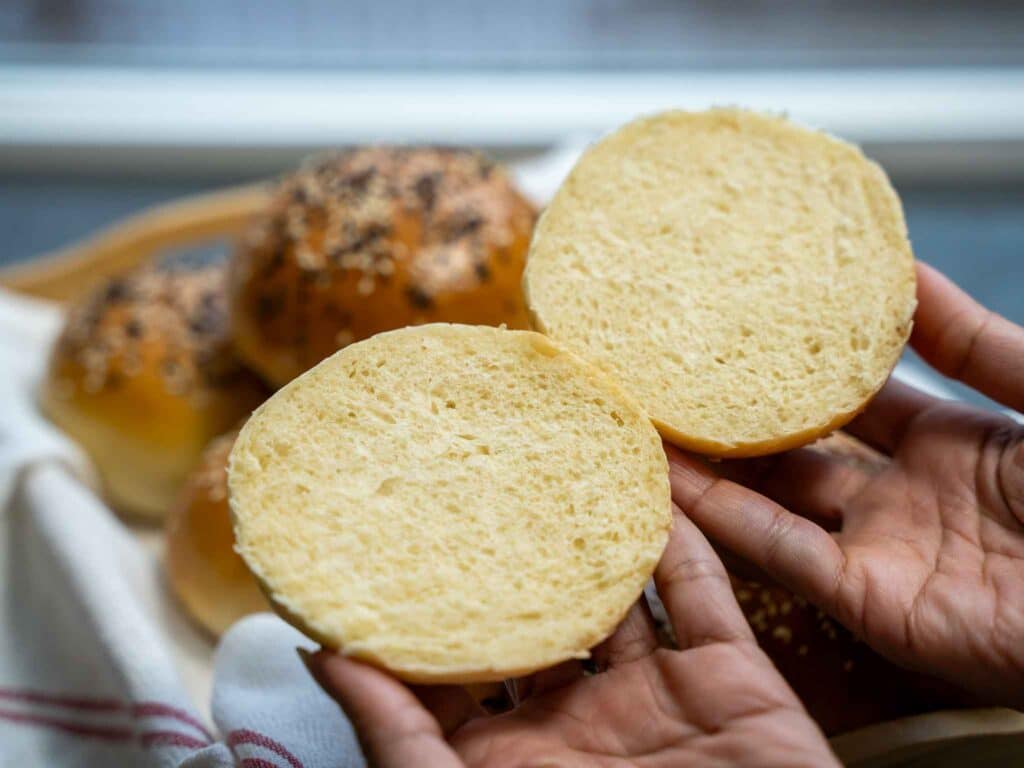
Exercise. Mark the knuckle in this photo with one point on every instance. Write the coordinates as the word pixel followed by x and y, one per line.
pixel 780 525
pixel 690 569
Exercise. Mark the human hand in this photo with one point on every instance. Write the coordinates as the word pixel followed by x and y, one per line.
pixel 716 701
pixel 927 564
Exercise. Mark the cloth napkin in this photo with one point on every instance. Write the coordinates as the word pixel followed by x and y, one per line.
pixel 97 665
pixel 91 666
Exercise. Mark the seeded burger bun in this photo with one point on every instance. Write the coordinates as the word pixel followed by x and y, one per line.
pixel 748 280
pixel 143 376
pixel 842 682
pixel 205 573
pixel 374 239
pixel 451 503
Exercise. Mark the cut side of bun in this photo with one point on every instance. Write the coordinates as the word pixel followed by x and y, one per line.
pixel 748 280
pixel 454 504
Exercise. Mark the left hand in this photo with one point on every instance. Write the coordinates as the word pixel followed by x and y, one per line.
pixel 716 701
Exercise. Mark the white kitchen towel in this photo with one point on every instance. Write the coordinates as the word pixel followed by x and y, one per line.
pixel 89 675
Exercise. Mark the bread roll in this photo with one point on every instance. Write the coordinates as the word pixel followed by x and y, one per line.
pixel 375 239
pixel 205 573
pixel 749 281
pixel 143 377
pixel 210 579
pixel 452 503
pixel 843 683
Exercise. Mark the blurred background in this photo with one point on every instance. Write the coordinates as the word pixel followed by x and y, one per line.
pixel 108 106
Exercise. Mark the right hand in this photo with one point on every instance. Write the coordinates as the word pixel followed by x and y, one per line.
pixel 928 563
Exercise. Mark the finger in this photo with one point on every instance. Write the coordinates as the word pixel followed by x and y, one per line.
pixel 807 481
pixel 965 341
pixel 393 727
pixel 695 589
pixel 635 638
pixel 737 566
pixel 845 446
pixel 885 421
pixel 451 705
pixel 790 549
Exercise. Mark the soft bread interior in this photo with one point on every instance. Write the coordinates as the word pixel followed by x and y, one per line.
pixel 748 280
pixel 452 503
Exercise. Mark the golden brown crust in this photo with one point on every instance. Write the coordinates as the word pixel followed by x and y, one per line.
pixel 375 239
pixel 203 570
pixel 143 376
pixel 177 315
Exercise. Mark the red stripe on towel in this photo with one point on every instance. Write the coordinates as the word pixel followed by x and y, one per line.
pixel 57 700
pixel 141 709
pixel 155 708
pixel 245 736
pixel 171 739
pixel 94 704
pixel 109 733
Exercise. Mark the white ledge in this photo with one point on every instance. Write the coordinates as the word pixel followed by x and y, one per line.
pixel 43 105
pixel 150 115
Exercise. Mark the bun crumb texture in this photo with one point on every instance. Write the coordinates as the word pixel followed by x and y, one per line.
pixel 748 280
pixel 452 503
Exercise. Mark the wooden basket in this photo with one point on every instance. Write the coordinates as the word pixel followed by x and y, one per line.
pixel 978 737
pixel 71 271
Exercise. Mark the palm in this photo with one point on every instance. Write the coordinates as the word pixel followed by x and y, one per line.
pixel 927 564
pixel 934 551
pixel 718 700
pixel 648 713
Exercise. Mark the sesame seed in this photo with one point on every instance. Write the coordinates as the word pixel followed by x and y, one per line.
pixel 182 310
pixel 364 209
pixel 785 634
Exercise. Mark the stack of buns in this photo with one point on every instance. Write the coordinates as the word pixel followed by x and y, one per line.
pixel 154 365
pixel 463 504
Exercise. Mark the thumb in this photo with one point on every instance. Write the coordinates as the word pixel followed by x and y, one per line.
pixel 394 729
pixel 963 340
